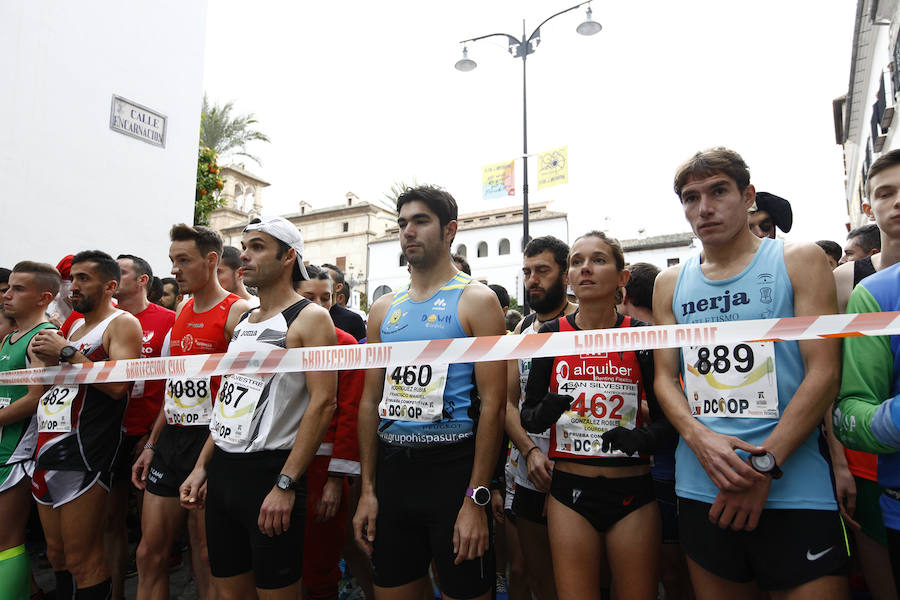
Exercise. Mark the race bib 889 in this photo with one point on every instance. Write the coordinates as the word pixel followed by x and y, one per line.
pixel 731 381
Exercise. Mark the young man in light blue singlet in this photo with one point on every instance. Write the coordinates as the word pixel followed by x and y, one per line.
pixel 756 505
pixel 429 434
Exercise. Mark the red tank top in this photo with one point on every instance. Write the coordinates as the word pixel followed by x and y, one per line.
pixel 202 333
pixel 147 396
pixel 607 389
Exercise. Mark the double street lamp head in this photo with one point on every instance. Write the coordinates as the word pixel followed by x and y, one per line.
pixel 588 27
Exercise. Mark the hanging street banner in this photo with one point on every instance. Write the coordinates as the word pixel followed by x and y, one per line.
pixel 498 180
pixel 553 167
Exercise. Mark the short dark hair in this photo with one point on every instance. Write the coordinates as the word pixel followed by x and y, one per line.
pixel 4 275
pixel 832 249
pixel 104 264
pixel 512 319
pixel 338 278
pixel 559 248
pixel 155 290
pixel 317 273
pixel 639 288
pixel 885 161
pixel 714 161
pixel 462 263
pixel 231 257
pixel 207 240
pixel 438 200
pixel 867 237
pixel 46 277
pixel 170 281
pixel 502 294
pixel 140 265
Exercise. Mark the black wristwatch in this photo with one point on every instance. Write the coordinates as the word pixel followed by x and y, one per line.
pixel 765 463
pixel 285 483
pixel 480 495
pixel 67 352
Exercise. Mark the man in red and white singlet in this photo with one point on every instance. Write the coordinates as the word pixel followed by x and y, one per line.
pixel 203 325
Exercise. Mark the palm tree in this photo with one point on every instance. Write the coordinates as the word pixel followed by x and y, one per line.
pixel 226 134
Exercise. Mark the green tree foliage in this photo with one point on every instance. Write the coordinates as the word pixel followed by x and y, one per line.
pixel 209 183
pixel 228 134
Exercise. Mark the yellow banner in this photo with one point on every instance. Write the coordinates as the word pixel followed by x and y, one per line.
pixel 553 167
pixel 498 180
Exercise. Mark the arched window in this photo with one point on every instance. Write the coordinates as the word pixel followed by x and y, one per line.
pixel 238 196
pixel 504 246
pixel 482 249
pixel 402 260
pixel 461 250
pixel 380 291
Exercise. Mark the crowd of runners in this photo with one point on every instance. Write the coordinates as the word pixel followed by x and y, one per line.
pixel 726 471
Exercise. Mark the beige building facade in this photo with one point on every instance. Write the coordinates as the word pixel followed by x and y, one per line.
pixel 338 234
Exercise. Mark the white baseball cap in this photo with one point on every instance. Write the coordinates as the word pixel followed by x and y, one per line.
pixel 283 230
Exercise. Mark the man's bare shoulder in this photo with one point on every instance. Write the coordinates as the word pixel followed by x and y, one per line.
pixel 668 277
pixel 478 294
pixel 803 253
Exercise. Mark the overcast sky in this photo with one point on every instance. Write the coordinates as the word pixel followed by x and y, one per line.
pixel 358 95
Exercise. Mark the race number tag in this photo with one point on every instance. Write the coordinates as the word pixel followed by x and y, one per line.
pixel 4 402
pixel 598 407
pixel 731 381
pixel 188 401
pixel 235 406
pixel 414 393
pixel 54 411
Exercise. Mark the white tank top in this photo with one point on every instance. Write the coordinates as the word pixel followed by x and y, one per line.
pixel 256 413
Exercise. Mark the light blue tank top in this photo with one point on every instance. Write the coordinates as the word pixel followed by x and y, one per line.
pixel 761 291
pixel 432 319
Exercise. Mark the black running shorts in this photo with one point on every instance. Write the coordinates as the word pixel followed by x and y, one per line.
pixel 174 458
pixel 236 486
pixel 603 501
pixel 529 504
pixel 419 496
pixel 788 548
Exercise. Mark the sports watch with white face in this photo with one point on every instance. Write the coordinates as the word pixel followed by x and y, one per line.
pixel 480 495
pixel 764 463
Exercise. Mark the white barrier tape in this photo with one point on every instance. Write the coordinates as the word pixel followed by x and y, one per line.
pixel 463 350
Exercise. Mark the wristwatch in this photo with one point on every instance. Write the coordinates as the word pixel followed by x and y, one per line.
pixel 765 463
pixel 480 495
pixel 284 483
pixel 66 352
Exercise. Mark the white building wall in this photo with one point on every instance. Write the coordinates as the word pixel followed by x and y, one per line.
pixel 661 256
pixel 69 182
pixel 506 270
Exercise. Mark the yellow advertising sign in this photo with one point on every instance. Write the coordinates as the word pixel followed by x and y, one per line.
pixel 553 167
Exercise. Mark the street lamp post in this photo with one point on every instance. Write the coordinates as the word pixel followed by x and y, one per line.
pixel 521 48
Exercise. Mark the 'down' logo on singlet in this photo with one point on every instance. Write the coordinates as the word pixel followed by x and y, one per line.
pixel 54 411
pixel 188 401
pixel 414 393
pixel 731 380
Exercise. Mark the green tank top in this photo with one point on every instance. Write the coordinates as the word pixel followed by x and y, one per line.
pixel 13 355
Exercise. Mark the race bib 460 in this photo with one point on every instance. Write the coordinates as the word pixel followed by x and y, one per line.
pixel 731 381
pixel 414 393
